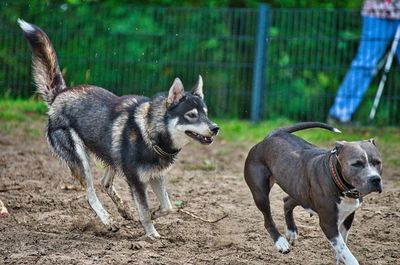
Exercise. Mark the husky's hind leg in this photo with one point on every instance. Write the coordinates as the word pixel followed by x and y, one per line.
pixel 84 169
pixel 107 182
pixel 69 146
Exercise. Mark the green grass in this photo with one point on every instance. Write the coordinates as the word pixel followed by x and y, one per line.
pixel 233 130
pixel 239 130
pixel 21 109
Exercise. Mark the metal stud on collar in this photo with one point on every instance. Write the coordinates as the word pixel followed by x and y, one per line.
pixel 355 194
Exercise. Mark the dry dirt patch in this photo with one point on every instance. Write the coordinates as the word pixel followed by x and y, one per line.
pixel 49 225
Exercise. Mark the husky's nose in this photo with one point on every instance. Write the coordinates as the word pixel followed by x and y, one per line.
pixel 215 129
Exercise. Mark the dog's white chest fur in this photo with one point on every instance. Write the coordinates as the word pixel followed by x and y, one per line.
pixel 346 207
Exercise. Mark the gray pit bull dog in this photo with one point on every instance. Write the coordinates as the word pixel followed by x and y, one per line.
pixel 329 183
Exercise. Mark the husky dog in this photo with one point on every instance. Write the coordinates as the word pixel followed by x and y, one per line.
pixel 134 136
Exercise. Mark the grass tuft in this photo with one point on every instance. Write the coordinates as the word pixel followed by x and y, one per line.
pixel 232 130
pixel 21 109
pixel 240 130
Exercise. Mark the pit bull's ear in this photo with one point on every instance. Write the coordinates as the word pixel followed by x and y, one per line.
pixel 198 88
pixel 175 92
pixel 338 146
pixel 372 141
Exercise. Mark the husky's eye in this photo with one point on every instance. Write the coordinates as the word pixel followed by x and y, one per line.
pixel 192 115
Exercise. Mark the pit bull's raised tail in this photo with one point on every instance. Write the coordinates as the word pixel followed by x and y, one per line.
pixel 304 126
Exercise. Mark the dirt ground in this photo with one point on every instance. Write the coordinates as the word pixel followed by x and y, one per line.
pixel 51 225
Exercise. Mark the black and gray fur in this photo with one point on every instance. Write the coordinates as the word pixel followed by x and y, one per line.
pixel 134 136
pixel 302 170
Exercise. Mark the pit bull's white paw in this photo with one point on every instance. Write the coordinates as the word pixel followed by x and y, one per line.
pixel 291 236
pixel 282 245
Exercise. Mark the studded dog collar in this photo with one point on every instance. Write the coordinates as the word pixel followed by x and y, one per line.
pixel 347 189
pixel 159 151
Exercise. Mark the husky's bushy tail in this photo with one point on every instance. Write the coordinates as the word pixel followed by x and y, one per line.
pixel 46 72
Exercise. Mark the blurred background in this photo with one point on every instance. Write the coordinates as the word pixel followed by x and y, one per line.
pixel 259 60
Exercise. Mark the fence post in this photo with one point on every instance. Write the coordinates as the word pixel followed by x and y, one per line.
pixel 259 62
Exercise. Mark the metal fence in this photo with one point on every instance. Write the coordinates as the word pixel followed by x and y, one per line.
pixel 294 72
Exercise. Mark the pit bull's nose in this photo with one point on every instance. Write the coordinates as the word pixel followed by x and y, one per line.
pixel 375 181
pixel 215 129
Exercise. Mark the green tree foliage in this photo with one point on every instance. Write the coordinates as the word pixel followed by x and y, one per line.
pixel 138 49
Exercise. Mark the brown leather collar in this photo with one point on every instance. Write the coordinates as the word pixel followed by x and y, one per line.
pixel 346 189
pixel 159 151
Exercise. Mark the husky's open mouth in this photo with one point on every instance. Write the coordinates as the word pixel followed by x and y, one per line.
pixel 202 139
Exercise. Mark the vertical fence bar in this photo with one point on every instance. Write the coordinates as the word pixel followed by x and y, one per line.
pixel 259 62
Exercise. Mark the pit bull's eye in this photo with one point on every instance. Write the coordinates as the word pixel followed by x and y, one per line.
pixel 358 164
pixel 376 163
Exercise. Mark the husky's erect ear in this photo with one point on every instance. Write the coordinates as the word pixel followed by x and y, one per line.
pixel 175 92
pixel 198 88
pixel 372 141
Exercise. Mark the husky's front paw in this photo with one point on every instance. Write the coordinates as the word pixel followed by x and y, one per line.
pixel 151 232
pixel 158 213
pixel 153 235
pixel 125 214
pixel 113 226
pixel 282 245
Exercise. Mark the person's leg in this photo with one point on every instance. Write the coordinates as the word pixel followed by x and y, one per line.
pixel 375 36
pixel 397 24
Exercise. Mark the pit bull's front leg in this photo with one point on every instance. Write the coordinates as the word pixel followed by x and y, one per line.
pixel 345 226
pixel 330 228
